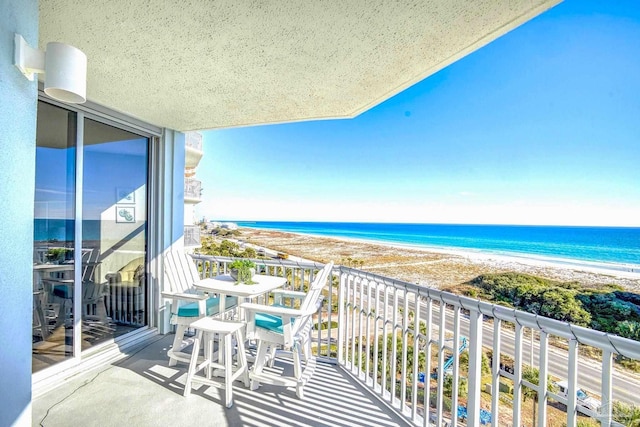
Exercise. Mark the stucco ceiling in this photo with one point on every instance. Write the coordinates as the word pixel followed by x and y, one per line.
pixel 196 64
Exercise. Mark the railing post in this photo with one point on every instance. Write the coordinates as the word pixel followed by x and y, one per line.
pixel 361 314
pixel 542 380
pixel 517 375
pixel 427 374
pixel 572 388
pixel 475 368
pixel 606 410
pixel 495 368
pixel 394 347
pixel 405 339
pixel 383 376
pixel 370 317
pixel 440 369
pixel 341 317
pixel 354 283
pixel 456 364
pixel 416 351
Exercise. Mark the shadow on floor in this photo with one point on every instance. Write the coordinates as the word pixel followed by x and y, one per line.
pixel 142 390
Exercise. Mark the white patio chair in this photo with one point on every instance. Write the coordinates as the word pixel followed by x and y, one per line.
pixel 188 304
pixel 275 325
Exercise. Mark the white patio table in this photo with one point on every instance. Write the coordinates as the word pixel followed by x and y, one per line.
pixel 224 285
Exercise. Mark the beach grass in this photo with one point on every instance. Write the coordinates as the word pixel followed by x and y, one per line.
pixel 439 268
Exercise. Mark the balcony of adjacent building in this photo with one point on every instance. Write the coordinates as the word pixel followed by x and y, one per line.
pixel 192 191
pixel 191 236
pixel 193 149
pixel 388 353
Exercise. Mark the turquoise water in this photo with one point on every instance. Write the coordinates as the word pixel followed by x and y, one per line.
pixel 619 245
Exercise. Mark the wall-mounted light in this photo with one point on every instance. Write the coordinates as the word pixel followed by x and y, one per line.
pixel 64 68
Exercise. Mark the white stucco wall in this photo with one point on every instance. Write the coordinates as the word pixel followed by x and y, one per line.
pixel 18 102
pixel 171 201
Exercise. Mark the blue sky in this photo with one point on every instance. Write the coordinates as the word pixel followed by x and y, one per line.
pixel 542 126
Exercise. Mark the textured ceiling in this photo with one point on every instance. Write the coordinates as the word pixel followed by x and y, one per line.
pixel 196 64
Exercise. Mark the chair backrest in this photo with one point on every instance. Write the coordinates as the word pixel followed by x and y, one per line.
pixel 89 264
pixel 180 271
pixel 92 292
pixel 316 287
pixel 314 295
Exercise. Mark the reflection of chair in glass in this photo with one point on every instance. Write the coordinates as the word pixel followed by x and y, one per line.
pixel 62 288
pixel 187 303
pixel 45 314
pixel 126 298
pixel 93 302
pixel 274 326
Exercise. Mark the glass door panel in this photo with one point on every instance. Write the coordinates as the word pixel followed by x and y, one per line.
pixel 114 230
pixel 54 225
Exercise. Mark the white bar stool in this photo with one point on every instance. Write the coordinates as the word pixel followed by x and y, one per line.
pixel 224 329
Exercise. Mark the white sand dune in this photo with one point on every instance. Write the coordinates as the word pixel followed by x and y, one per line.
pixel 440 267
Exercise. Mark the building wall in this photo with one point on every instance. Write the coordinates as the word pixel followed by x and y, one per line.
pixel 170 229
pixel 18 103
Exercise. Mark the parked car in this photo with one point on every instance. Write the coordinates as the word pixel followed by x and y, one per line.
pixel 584 401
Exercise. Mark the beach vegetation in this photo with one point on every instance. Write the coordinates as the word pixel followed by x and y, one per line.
pixel 628 415
pixel 227 248
pixel 609 309
pixel 534 295
pixel 532 375
pixel 352 262
pixel 225 232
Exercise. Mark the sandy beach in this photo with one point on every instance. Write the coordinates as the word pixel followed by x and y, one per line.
pixel 438 268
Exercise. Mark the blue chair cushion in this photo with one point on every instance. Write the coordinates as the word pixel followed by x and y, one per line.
pixel 213 305
pixel 270 322
pixel 63 291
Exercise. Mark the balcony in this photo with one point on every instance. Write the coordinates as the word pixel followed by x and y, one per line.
pixel 192 191
pixel 365 315
pixel 193 149
pixel 191 236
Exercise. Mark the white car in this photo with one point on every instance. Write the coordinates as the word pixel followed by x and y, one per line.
pixel 583 401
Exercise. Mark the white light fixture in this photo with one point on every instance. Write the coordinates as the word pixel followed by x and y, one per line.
pixel 64 68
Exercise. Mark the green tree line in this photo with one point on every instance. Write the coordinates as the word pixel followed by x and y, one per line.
pixel 608 309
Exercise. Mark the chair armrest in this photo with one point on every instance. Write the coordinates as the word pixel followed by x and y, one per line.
pixel 279 296
pixel 289 294
pixel 277 310
pixel 184 296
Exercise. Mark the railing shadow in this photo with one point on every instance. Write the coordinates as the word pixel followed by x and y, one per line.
pixel 332 397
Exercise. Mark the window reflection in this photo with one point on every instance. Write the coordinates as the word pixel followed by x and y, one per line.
pixel 114 213
pixel 112 274
pixel 53 235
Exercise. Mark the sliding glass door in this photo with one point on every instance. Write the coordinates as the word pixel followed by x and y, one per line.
pixel 54 235
pixel 90 234
pixel 114 230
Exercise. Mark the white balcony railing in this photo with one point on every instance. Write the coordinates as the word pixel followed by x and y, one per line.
pixel 192 190
pixel 371 325
pixel 193 140
pixel 192 235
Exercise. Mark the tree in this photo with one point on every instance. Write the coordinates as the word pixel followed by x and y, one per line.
pixel 532 375
pixel 628 415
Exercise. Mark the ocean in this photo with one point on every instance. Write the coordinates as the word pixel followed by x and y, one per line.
pixel 611 245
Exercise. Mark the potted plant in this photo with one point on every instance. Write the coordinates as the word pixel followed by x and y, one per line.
pixel 57 255
pixel 242 270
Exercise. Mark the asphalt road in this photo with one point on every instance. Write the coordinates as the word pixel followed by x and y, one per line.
pixel 626 386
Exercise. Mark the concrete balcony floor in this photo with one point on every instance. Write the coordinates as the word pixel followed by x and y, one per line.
pixel 142 390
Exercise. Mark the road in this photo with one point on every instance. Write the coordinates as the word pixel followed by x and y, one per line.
pixel 626 386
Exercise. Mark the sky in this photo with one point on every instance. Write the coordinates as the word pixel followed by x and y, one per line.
pixel 541 127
